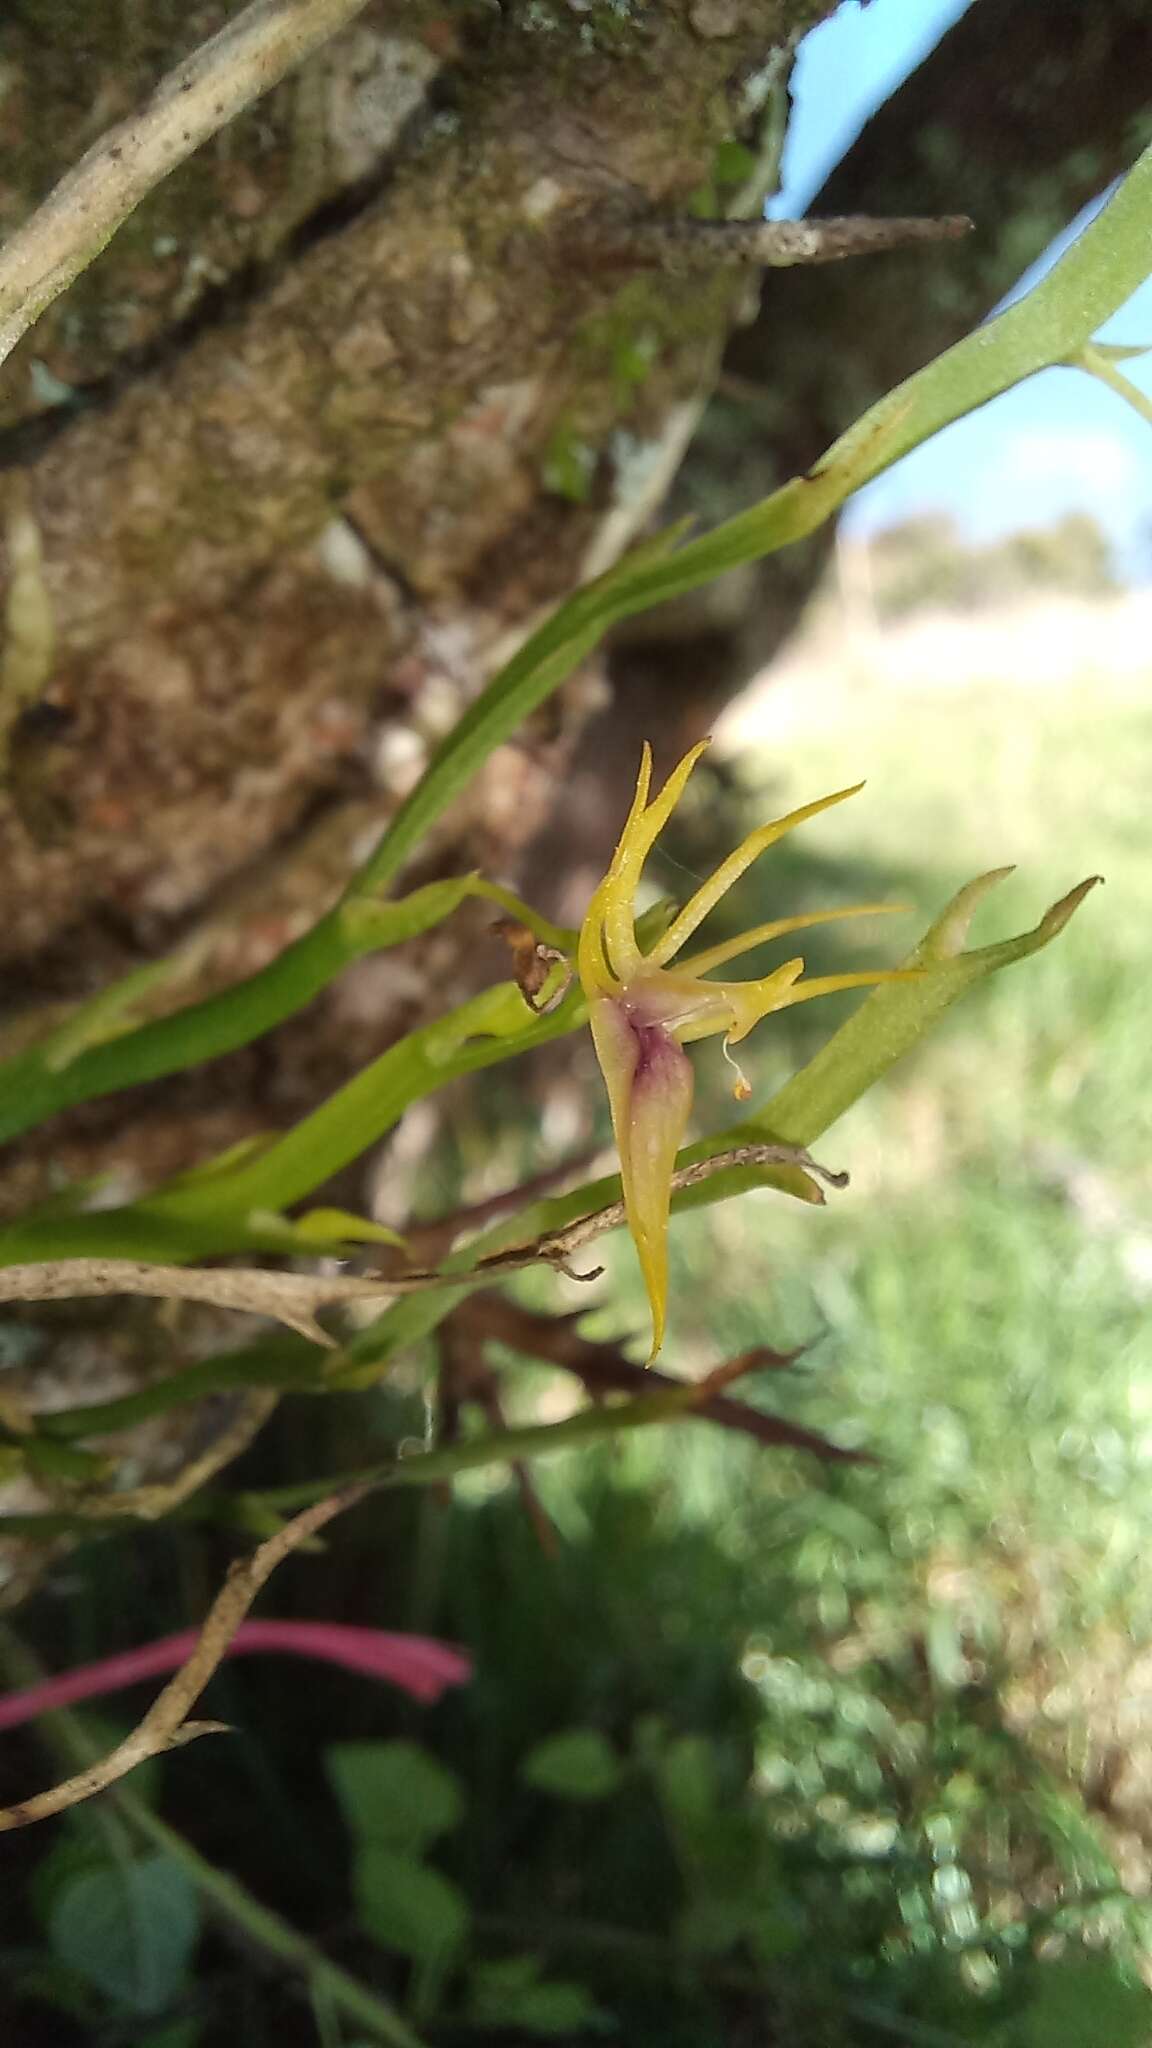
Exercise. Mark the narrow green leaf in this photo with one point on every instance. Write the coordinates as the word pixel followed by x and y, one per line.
pixel 110 1013
pixel 49 1459
pixel 36 1083
pixel 321 1229
pixel 236 1208
pixel 1055 320
pixel 282 1361
pixel 897 1014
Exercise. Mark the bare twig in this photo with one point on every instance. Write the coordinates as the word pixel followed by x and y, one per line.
pixel 602 1368
pixel 465 1375
pixel 651 241
pixel 290 1298
pixel 166 1725
pixel 151 1502
pixel 294 1298
pixel 558 1247
pixel 239 64
pixel 433 1240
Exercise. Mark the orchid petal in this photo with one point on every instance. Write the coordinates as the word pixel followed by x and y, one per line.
pixel 730 871
pixel 779 928
pixel 636 843
pixel 830 984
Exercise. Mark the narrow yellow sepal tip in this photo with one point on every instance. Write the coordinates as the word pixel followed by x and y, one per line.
pixel 642 1013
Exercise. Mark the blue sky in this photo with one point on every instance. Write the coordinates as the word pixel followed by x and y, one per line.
pixel 1059 442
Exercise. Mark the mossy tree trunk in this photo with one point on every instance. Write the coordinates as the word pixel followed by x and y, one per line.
pixel 341 409
pixel 333 418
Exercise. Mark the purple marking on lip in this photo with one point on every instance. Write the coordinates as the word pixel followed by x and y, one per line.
pixel 652 1043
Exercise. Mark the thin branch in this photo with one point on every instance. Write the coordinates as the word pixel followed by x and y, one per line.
pixel 558 1247
pixel 290 1298
pixel 166 1725
pixel 294 1298
pixel 238 65
pixel 602 1368
pixel 679 243
pixel 151 1502
pixel 434 1240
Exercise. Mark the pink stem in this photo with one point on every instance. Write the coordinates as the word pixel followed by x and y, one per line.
pixel 417 1664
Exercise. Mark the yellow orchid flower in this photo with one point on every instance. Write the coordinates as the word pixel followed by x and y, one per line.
pixel 643 1012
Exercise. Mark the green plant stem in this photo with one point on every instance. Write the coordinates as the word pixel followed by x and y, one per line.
pixel 1098 365
pixel 65 1737
pixel 531 1440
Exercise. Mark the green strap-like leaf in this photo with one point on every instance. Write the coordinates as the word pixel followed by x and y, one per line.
pixel 97 1050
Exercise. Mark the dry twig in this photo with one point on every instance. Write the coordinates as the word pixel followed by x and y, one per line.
pixel 678 243
pixel 238 65
pixel 290 1298
pixel 602 1368
pixel 465 1375
pixel 163 1495
pixel 166 1725
pixel 294 1298
pixel 558 1247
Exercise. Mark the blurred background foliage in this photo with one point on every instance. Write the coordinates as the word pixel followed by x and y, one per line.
pixel 757 1750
